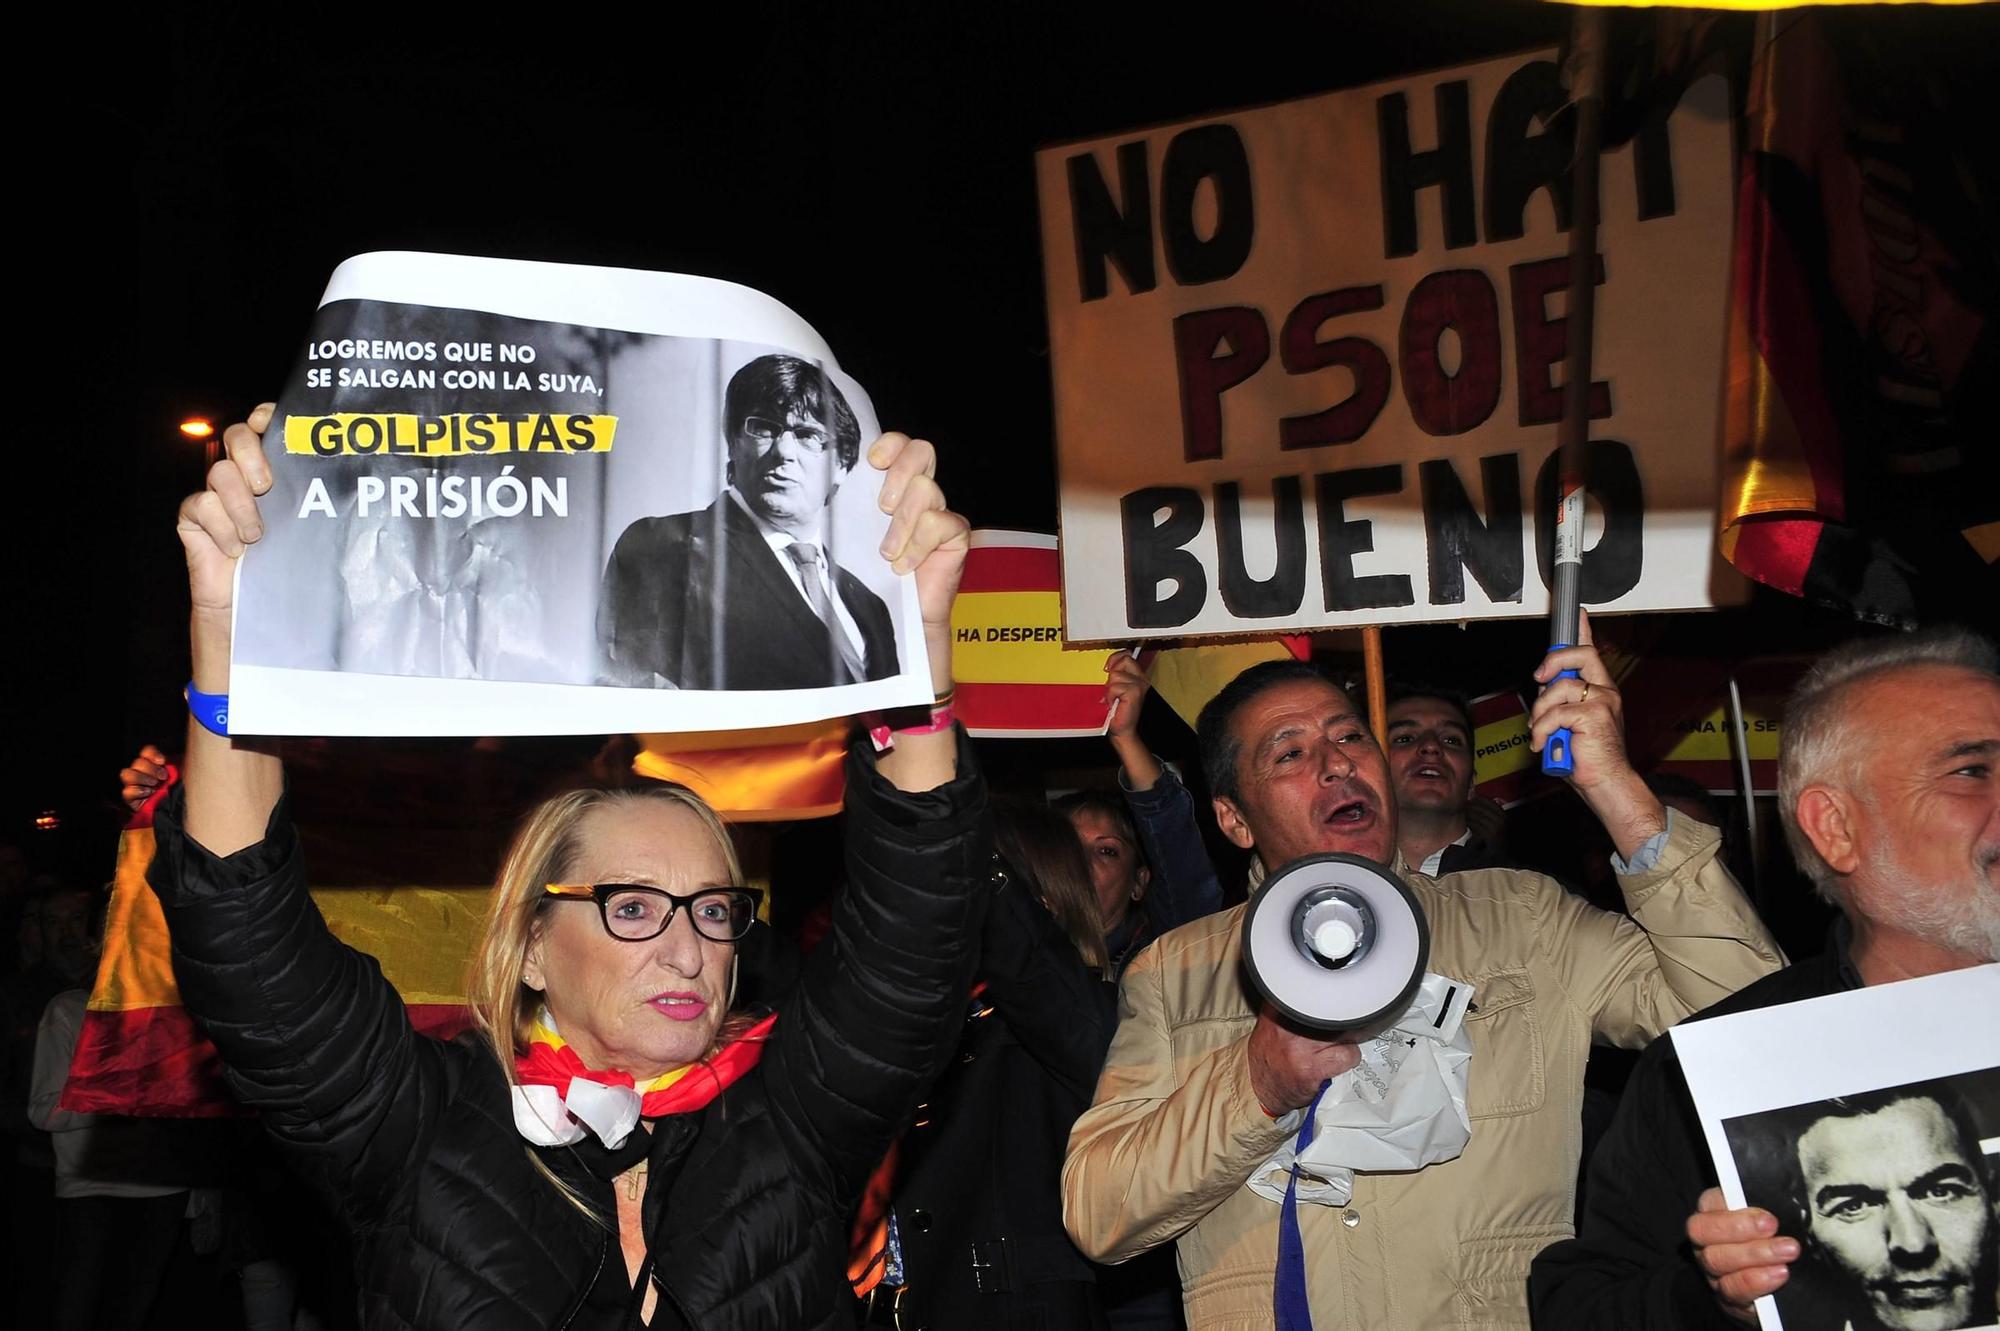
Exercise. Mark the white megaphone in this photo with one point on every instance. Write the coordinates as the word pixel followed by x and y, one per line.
pixel 1336 942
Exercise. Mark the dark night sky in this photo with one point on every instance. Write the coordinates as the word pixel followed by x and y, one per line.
pixel 199 174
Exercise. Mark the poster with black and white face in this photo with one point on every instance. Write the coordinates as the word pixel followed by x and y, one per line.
pixel 1868 1123
pixel 533 498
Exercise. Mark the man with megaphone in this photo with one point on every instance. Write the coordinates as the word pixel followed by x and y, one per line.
pixel 1205 1080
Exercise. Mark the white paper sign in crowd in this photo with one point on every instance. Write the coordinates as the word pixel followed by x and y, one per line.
pixel 1868 1123
pixel 533 498
pixel 1307 359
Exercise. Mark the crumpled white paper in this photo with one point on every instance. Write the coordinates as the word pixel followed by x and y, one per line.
pixel 1401 1108
pixel 547 1119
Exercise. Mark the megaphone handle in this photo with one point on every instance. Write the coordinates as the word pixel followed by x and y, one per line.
pixel 1557 760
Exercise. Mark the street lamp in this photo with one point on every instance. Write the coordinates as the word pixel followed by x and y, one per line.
pixel 203 429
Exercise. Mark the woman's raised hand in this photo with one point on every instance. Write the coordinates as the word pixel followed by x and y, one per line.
pixel 218 522
pixel 231 789
pixel 149 771
pixel 925 537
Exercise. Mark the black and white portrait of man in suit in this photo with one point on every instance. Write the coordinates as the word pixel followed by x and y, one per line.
pixel 744 594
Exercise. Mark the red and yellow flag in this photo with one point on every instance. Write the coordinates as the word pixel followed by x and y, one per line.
pixel 1186 678
pixel 1015 679
pixel 1857 445
pixel 751 776
pixel 140 1052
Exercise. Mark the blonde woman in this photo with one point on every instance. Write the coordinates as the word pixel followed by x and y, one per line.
pixel 620 1147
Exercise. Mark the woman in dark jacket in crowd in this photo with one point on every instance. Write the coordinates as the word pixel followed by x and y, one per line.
pixel 1147 862
pixel 979 1240
pixel 1151 875
pixel 524 1181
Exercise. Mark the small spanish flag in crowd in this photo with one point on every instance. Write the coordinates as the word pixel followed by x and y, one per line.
pixel 1015 679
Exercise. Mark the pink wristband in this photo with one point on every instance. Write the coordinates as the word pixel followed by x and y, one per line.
pixel 942 718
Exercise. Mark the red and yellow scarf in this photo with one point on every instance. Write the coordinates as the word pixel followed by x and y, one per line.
pixel 559 1097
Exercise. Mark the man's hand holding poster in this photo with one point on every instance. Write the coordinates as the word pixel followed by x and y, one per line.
pixel 535 498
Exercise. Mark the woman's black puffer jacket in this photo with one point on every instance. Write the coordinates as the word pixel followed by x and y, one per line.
pixel 747 1201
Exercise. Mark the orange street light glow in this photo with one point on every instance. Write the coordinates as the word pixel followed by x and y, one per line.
pixel 1750 4
pixel 197 428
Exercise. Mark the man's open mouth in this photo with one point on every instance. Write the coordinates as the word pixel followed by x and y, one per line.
pixel 1350 813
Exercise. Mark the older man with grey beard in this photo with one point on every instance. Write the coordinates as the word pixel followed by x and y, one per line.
pixel 1889 786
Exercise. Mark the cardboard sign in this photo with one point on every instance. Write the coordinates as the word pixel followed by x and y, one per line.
pixel 1307 359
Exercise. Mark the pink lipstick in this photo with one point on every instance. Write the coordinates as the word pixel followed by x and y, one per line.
pixel 679 1006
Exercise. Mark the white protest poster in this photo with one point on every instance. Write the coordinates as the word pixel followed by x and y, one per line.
pixel 1307 359
pixel 1868 1122
pixel 534 498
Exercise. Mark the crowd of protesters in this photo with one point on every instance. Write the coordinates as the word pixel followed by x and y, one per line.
pixel 1011 1074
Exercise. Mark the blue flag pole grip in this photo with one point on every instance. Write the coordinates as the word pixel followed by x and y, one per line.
pixel 1557 760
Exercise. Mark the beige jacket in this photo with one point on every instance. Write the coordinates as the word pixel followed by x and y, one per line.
pixel 1163 1153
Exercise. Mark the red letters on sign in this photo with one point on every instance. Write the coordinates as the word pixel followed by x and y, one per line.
pixel 1302 352
pixel 1215 350
pixel 1207 372
pixel 1461 300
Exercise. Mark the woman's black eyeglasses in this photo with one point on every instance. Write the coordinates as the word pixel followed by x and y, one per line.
pixel 633 913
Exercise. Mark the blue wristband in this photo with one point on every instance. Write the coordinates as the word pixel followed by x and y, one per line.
pixel 211 709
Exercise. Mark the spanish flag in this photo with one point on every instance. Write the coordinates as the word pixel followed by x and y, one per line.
pixel 1859 469
pixel 1188 677
pixel 1015 678
pixel 750 776
pixel 140 1053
